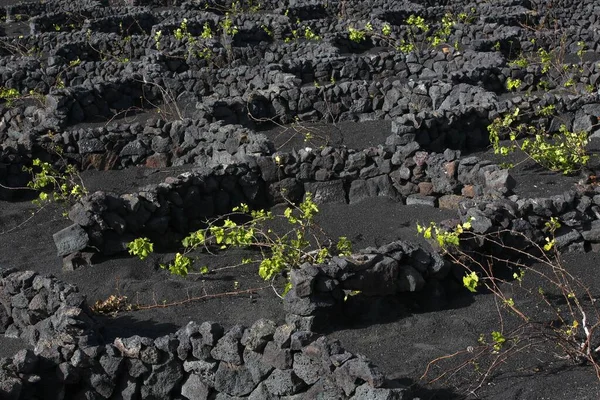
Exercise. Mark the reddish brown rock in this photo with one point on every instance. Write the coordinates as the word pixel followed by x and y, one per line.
pixel 450 201
pixel 425 188
pixel 158 160
pixel 468 191
pixel 450 168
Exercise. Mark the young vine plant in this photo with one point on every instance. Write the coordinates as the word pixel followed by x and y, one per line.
pixel 303 241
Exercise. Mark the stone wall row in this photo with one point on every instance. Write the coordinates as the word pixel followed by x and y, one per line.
pixel 200 361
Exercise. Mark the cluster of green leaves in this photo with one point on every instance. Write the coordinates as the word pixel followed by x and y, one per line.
pixel 140 247
pixel 9 95
pixel 564 151
pixel 194 48
pixel 513 84
pixel 444 238
pixel 416 27
pixel 360 35
pixel 306 33
pixel 551 226
pixel 443 33
pixel 447 240
pixel 279 252
pixel 228 27
pixel 498 340
pixel 267 30
pixel 310 35
pixel 552 66
pixel 54 185
pixel 157 37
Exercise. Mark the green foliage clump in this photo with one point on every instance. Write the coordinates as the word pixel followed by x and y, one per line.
pixel 356 35
pixel 444 238
pixel 513 84
pixel 194 48
pixel 9 95
pixel 553 66
pixel 54 185
pixel 310 35
pixel 228 27
pixel 141 247
pixel 157 37
pixel 443 33
pixel 564 151
pixel 416 24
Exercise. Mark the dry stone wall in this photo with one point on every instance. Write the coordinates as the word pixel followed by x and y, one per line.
pixel 69 358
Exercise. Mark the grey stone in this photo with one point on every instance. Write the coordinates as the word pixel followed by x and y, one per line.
pixel 356 370
pixel 102 384
pixel 81 215
pixel 211 332
pixel 195 389
pixel 358 191
pixel 258 335
pixel 499 181
pixel 299 339
pixel 439 267
pixel 409 279
pixel 404 152
pixel 418 199
pixel 366 392
pixel 282 383
pixel 70 239
pixel 565 236
pixel 259 370
pixel 200 367
pixel 583 122
pixel 25 361
pixel 326 192
pixel 162 380
pixel 381 186
pixel 303 279
pixel 90 146
pixel 356 161
pixel 480 223
pixel 111 365
pixel 306 369
pixel 66 373
pixel 277 357
pixel 234 380
pixel 592 233
pixel 135 367
pixel 380 279
pixel 282 336
pixel 261 393
pixel 10 386
pixel 229 348
pixel 134 148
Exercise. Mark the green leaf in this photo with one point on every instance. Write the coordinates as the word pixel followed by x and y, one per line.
pixel 471 281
